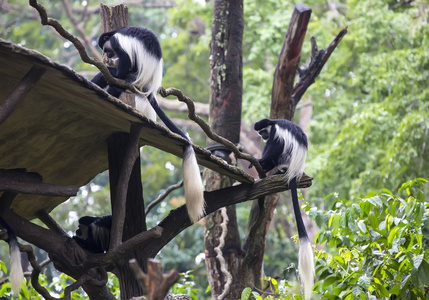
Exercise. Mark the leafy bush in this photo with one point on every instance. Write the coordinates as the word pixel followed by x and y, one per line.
pixel 378 247
pixel 185 286
pixel 279 290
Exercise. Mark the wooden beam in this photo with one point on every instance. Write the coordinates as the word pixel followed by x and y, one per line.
pixel 19 93
pixel 21 182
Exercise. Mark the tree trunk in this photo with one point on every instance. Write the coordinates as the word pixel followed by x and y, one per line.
pixel 282 107
pixel 222 241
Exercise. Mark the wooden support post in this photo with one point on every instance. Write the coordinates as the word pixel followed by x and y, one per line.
pixel 19 93
pixel 129 209
pixel 120 193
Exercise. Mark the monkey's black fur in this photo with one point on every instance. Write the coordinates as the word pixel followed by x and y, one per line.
pixel 93 233
pixel 134 54
pixel 286 149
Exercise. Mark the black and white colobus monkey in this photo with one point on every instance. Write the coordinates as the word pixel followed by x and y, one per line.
pixel 93 233
pixel 134 55
pixel 286 149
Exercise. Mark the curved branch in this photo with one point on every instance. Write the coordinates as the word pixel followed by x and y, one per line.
pixel 36 272
pixel 79 46
pixel 206 128
pixel 163 195
pixel 78 26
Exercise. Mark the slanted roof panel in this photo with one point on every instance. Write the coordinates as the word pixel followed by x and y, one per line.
pixel 60 129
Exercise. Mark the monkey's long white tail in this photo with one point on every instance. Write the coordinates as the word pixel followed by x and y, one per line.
pixel 194 190
pixel 16 274
pixel 306 266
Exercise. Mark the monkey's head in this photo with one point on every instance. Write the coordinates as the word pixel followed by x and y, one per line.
pixel 84 223
pixel 263 127
pixel 105 37
pixel 110 58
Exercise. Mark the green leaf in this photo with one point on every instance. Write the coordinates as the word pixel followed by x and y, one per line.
pixel 319 219
pixel 417 260
pixel 382 290
pixel 356 290
pixel 351 220
pixel 336 223
pixel 392 235
pixel 245 294
pixel 343 220
pixel 364 282
pixel 256 295
pixel 424 278
pixel 362 226
pixel 3 266
pixel 356 209
pixel 376 201
pixel 415 279
pixel 329 281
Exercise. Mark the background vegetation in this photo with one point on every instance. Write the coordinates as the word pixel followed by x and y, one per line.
pixel 368 132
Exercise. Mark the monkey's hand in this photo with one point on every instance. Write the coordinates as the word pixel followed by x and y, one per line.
pixel 250 165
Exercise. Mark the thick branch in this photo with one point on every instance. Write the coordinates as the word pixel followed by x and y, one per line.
pixel 43 238
pixel 178 219
pixel 50 222
pixel 155 283
pixel 281 105
pixel 36 188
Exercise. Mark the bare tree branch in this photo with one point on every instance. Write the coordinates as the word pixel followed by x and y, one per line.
pixel 164 195
pixel 318 60
pixel 81 31
pixel 206 128
pixel 79 46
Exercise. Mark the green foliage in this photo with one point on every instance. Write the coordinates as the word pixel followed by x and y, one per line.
pixel 378 246
pixel 55 288
pixel 370 123
pixel 186 285
pixel 278 290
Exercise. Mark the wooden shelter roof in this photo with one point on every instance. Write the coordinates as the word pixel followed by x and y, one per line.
pixel 60 129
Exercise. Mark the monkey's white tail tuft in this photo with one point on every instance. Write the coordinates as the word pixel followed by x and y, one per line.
pixel 16 274
pixel 194 191
pixel 306 266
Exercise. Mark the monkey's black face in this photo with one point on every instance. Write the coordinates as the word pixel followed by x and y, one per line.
pixel 82 232
pixel 265 133
pixel 110 58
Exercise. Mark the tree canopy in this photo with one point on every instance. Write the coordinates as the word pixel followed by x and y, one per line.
pixel 369 111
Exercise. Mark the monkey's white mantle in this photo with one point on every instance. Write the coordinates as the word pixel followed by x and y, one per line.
pixel 59 125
